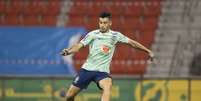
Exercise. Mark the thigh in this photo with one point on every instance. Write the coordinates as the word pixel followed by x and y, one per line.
pixel 105 84
pixel 83 79
pixel 73 91
pixel 102 78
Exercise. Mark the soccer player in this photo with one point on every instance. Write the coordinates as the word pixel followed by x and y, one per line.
pixel 101 48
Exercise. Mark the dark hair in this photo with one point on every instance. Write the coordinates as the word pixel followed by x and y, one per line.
pixel 105 15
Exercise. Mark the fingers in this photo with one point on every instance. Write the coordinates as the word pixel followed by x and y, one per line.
pixel 152 59
pixel 64 52
pixel 151 55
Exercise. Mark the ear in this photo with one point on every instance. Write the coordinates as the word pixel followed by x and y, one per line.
pixel 110 23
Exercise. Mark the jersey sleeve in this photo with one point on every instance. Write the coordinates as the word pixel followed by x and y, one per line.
pixel 122 38
pixel 87 39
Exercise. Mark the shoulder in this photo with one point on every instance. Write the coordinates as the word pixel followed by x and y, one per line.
pixel 94 32
pixel 116 33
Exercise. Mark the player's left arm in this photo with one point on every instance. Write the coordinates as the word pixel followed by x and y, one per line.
pixel 139 46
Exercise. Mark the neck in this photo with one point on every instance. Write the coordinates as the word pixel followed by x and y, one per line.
pixel 105 31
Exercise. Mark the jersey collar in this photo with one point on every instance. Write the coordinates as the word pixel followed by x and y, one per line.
pixel 105 32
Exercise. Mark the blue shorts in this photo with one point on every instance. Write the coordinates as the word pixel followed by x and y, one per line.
pixel 85 77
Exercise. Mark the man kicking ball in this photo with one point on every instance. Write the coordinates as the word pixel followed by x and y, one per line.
pixel 102 44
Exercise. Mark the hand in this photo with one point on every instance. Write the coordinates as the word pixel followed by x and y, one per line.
pixel 65 52
pixel 151 56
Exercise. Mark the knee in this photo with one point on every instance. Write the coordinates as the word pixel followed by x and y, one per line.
pixel 107 87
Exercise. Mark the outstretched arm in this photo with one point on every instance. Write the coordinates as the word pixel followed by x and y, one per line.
pixel 139 46
pixel 73 49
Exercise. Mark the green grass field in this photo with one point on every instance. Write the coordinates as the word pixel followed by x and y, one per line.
pixel 123 90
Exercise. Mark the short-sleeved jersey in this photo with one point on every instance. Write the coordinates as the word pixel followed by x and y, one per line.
pixel 101 49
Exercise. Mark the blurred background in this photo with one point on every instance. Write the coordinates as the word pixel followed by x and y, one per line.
pixel 33 32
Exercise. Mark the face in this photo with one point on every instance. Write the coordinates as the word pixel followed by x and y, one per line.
pixel 104 24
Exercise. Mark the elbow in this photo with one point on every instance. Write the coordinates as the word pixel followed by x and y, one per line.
pixel 132 43
pixel 76 50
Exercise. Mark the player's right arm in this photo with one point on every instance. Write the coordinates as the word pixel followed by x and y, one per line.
pixel 73 49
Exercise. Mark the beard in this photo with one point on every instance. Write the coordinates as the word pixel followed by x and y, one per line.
pixel 103 30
